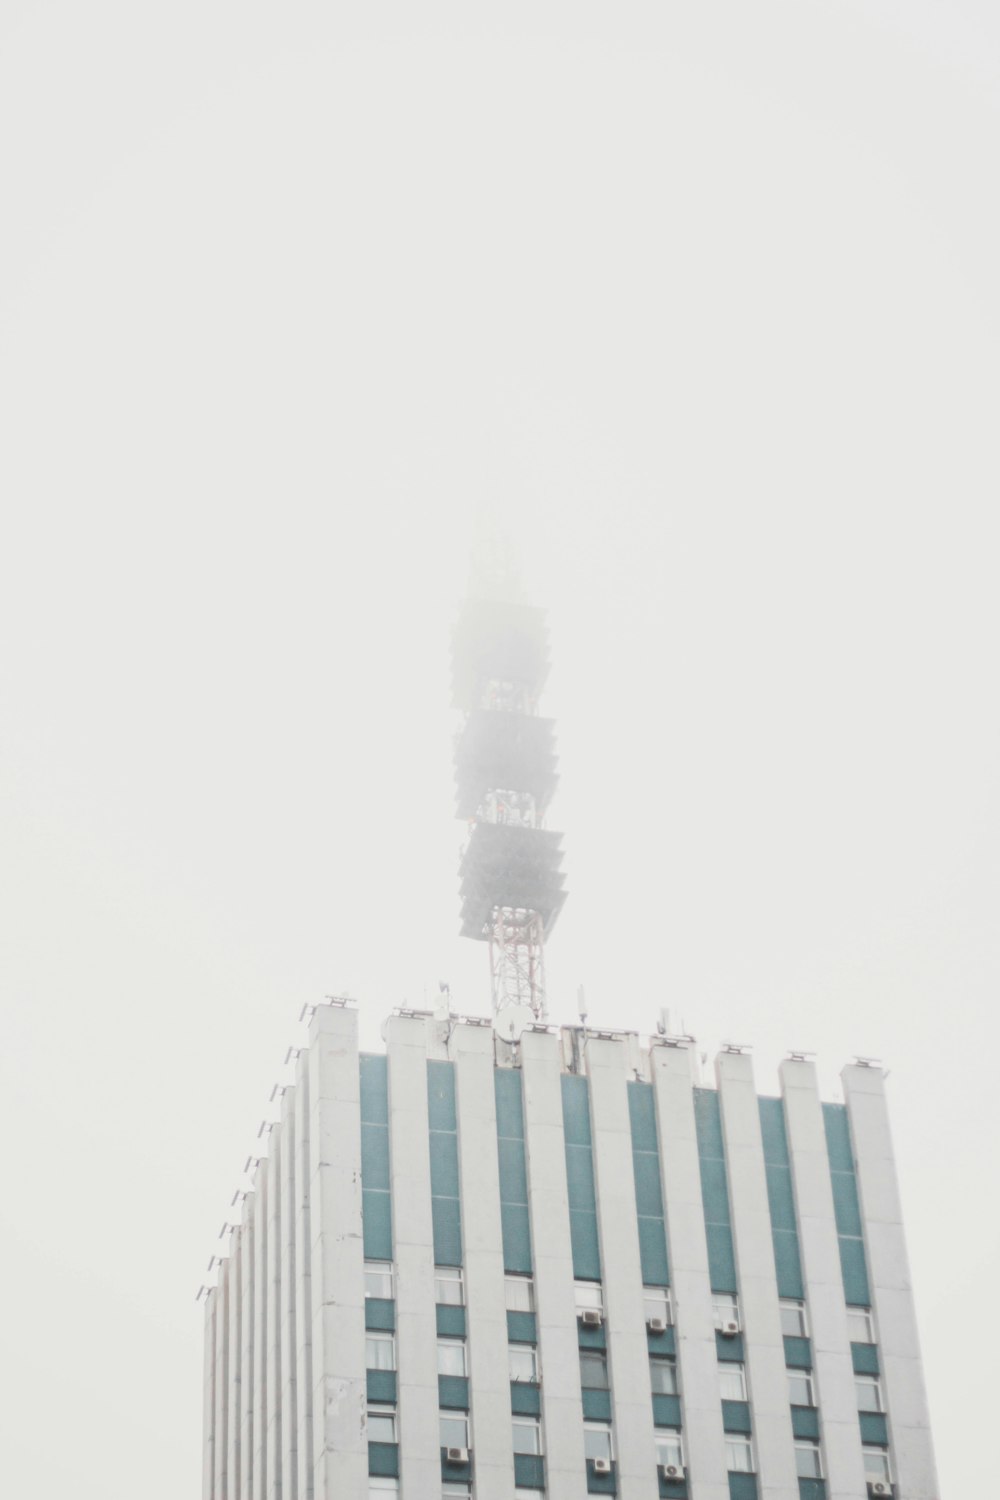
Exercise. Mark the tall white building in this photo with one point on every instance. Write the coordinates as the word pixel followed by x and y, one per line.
pixel 507 1259
pixel 557 1266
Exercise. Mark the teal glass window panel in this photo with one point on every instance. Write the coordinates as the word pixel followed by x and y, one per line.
pixel 773 1132
pixel 780 1198
pixel 708 1122
pixel 642 1117
pixel 787 1264
pixel 576 1109
pixel 444 1166
pixel 846 1209
pixel 441 1095
pixel 580 1178
pixel 838 1138
pixel 721 1263
pixel 529 1471
pixel 513 1176
pixel 516 1231
pixel 376 1224
pixel 736 1416
pixel 852 1263
pixel 653 1252
pixel 447 1223
pixel 798 1353
pixel 648 1196
pixel 864 1358
pixel 510 1108
pixel 714 1190
pixel 383 1458
pixel 374 1080
pixel 586 1252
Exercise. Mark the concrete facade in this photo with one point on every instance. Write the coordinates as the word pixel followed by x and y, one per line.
pixel 287 1381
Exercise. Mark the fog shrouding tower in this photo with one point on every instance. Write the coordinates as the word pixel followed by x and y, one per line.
pixel 500 1258
pixel 505 775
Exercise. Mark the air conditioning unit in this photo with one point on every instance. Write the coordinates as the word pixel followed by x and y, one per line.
pixel 457 1455
pixel 657 1325
pixel 672 1471
pixel 730 1328
pixel 602 1466
pixel 591 1318
pixel 880 1487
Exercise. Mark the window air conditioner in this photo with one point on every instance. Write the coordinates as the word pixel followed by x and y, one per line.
pixel 656 1325
pixel 880 1487
pixel 457 1455
pixel 602 1466
pixel 729 1328
pixel 591 1318
pixel 672 1471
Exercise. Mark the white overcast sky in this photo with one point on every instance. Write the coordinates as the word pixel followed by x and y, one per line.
pixel 703 299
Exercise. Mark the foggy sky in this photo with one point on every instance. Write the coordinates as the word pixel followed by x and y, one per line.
pixel 702 300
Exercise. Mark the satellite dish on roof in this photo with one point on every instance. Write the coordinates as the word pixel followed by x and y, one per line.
pixel 512 1020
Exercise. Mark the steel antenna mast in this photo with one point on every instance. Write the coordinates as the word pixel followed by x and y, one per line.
pixel 505 775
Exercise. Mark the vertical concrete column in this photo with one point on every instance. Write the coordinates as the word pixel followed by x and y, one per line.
pixel 548 1200
pixel 482 1239
pixel 754 1250
pixel 687 1251
pixel 340 1449
pixel 618 1224
pixel 221 1383
pixel 915 1474
pixel 413 1235
pixel 208 1400
pixel 274 1370
pixel 824 1288
pixel 235 1342
pixel 248 1371
pixel 303 1285
pixel 289 1393
pixel 260 1296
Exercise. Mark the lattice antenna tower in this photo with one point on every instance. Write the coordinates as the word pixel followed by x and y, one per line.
pixel 505 776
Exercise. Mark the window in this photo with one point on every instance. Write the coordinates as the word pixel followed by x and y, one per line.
pixel 448 1285
pixel 527 1435
pixel 663 1377
pixel 380 1351
pixel 877 1464
pixel 860 1328
pixel 726 1309
pixel 454 1428
pixel 520 1293
pixel 869 1393
pixel 596 1440
pixel 381 1424
pixel 669 1448
pixel 589 1296
pixel 732 1382
pixel 793 1318
pixel 593 1370
pixel 378 1278
pixel 451 1357
pixel 523 1363
pixel 808 1464
pixel 656 1303
pixel 800 1388
pixel 739 1456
